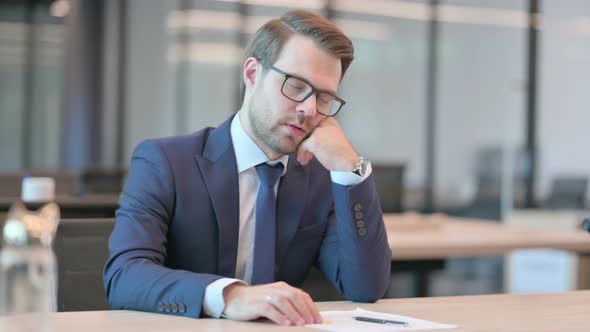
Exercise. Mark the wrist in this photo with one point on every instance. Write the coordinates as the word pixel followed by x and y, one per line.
pixel 230 293
pixel 348 163
pixel 231 290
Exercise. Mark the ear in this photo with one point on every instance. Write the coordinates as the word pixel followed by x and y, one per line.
pixel 251 72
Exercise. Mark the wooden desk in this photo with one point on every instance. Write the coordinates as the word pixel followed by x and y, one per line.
pixel 564 312
pixel 86 206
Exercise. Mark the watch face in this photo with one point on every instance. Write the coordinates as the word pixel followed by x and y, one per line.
pixel 364 166
pixel 361 167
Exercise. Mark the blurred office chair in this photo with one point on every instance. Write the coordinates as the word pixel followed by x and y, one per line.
pixel 488 176
pixel 389 180
pixel 568 192
pixel 66 182
pixel 81 248
pixel 102 181
pixel 488 173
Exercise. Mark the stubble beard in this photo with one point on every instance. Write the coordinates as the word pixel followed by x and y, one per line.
pixel 264 132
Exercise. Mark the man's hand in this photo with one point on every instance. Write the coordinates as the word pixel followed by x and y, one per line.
pixel 330 146
pixel 279 302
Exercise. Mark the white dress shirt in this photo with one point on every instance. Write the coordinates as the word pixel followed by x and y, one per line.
pixel 248 155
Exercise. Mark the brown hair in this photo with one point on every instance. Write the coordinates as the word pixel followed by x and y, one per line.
pixel 269 40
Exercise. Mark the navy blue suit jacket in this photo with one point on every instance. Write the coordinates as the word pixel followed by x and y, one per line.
pixel 178 221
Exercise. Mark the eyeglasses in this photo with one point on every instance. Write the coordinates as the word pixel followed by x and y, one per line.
pixel 298 90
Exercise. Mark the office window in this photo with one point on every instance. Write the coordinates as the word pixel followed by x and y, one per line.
pixel 564 107
pixel 31 84
pixel 480 100
pixel 385 86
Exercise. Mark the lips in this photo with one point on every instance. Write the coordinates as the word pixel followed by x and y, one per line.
pixel 296 130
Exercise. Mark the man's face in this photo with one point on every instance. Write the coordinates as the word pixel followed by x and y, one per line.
pixel 277 123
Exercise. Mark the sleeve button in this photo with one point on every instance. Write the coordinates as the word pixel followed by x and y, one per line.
pixel 357 207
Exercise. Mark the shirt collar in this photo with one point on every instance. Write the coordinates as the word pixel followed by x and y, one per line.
pixel 248 154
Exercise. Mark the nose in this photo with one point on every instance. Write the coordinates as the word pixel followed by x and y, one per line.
pixel 309 106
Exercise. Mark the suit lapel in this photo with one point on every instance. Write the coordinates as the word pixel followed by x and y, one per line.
pixel 220 174
pixel 290 204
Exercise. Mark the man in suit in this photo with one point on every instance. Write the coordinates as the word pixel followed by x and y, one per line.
pixel 228 221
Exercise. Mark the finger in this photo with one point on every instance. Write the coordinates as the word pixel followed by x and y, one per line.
pixel 301 152
pixel 325 121
pixel 302 302
pixel 316 314
pixel 304 155
pixel 269 311
pixel 285 306
pixel 317 317
pixel 304 159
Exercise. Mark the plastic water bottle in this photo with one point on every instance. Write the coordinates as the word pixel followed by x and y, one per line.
pixel 28 269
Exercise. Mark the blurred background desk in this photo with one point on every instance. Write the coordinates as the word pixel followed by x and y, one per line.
pixel 72 206
pixel 547 270
pixel 470 237
pixel 566 312
pixel 424 243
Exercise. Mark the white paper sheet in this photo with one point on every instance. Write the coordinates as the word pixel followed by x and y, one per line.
pixel 343 321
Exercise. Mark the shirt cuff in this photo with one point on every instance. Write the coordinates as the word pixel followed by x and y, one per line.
pixel 349 178
pixel 213 303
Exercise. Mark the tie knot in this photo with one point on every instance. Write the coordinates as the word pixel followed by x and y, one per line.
pixel 268 174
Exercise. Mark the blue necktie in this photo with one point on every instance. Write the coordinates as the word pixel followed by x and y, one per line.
pixel 263 268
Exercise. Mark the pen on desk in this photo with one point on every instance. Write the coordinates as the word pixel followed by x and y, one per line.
pixel 380 321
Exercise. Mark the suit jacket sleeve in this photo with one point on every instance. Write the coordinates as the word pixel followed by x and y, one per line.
pixel 135 276
pixel 356 261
